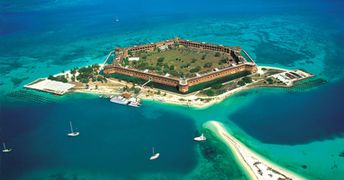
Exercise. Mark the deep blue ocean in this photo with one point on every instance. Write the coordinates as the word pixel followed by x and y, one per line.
pixel 293 127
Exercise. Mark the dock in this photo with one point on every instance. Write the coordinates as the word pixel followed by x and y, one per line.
pixel 50 86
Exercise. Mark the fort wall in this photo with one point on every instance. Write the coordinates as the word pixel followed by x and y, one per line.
pixel 182 84
pixel 221 73
pixel 142 75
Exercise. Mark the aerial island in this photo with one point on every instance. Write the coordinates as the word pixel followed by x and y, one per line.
pixel 183 72
pixel 176 71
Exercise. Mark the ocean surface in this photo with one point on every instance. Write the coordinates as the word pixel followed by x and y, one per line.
pixel 300 128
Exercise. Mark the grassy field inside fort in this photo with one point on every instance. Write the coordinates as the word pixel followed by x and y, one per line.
pixel 179 62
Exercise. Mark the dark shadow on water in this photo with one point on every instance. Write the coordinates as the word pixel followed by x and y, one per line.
pixel 294 118
pixel 268 52
pixel 222 160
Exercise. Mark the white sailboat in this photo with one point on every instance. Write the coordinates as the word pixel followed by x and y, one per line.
pixel 72 133
pixel 154 156
pixel 5 150
pixel 200 138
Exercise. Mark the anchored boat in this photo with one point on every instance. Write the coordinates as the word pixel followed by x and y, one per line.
pixel 5 149
pixel 72 132
pixel 200 138
pixel 135 102
pixel 126 99
pixel 119 100
pixel 154 156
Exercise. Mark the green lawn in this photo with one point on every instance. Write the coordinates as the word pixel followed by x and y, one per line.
pixel 180 62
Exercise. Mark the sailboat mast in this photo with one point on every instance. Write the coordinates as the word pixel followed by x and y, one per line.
pixel 4 145
pixel 153 150
pixel 71 127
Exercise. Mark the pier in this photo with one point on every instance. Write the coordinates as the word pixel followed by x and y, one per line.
pixel 150 79
pixel 107 58
pixel 50 86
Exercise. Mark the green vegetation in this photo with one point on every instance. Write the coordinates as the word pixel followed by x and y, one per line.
pixel 208 65
pixel 215 89
pixel 218 81
pixel 140 81
pixel 210 92
pixel 125 61
pixel 223 61
pixel 241 83
pixel 178 61
pixel 269 80
pixel 60 78
pixel 89 73
pixel 195 70
pixel 130 53
pixel 203 56
pixel 216 86
pixel 137 90
pixel 245 80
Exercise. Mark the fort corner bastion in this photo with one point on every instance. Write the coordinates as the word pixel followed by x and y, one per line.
pixel 180 64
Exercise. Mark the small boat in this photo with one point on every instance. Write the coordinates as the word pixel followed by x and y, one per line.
pixel 72 133
pixel 134 102
pixel 116 20
pixel 200 138
pixel 119 100
pixel 5 149
pixel 154 156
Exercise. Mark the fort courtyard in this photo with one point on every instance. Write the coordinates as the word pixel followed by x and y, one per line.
pixel 185 65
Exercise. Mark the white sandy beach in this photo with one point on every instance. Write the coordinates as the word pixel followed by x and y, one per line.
pixel 256 166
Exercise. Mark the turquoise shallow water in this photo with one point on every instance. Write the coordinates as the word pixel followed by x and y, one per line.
pixel 40 38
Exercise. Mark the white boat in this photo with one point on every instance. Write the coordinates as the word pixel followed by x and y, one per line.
pixel 134 102
pixel 5 149
pixel 119 100
pixel 154 156
pixel 200 138
pixel 72 132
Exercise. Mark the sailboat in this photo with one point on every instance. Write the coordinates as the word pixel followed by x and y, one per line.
pixel 5 150
pixel 154 156
pixel 72 133
pixel 116 20
pixel 200 138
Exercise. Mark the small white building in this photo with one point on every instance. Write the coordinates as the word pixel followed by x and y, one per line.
pixel 134 58
pixel 163 48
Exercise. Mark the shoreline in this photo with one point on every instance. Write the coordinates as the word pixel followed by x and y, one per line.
pixel 255 165
pixel 192 99
pixel 196 99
